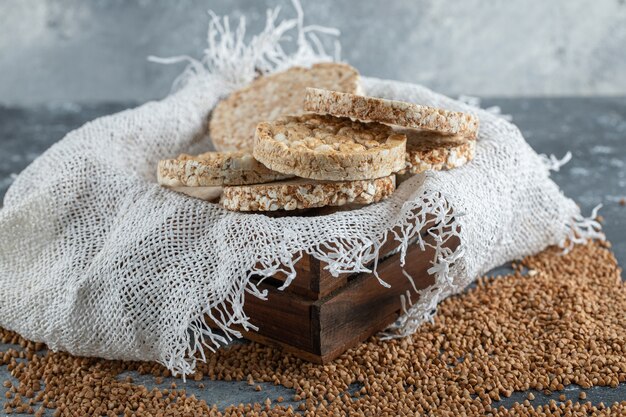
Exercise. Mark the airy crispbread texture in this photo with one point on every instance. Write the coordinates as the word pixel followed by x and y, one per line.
pixel 303 194
pixel 429 150
pixel 372 109
pixel 214 169
pixel 329 148
pixel 234 119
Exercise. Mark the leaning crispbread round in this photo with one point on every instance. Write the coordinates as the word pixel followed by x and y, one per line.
pixel 372 109
pixel 234 119
pixel 303 194
pixel 429 150
pixel 201 193
pixel 215 169
pixel 329 148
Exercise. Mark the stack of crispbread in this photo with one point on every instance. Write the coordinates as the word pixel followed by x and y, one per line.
pixel 305 138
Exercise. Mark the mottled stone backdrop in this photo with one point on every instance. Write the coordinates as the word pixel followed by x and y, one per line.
pixel 76 50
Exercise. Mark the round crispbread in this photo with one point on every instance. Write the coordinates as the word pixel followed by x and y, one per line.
pixel 392 112
pixel 432 151
pixel 215 169
pixel 211 194
pixel 302 193
pixel 234 119
pixel 329 148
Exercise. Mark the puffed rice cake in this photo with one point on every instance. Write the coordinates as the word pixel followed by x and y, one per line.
pixel 393 112
pixel 431 151
pixel 214 169
pixel 211 194
pixel 302 193
pixel 329 148
pixel 234 119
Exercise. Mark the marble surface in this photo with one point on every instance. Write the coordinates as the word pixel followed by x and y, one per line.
pixel 593 129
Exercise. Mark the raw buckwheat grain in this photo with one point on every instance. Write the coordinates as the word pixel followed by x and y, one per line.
pixel 564 325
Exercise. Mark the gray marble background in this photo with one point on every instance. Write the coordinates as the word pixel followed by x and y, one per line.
pixel 93 51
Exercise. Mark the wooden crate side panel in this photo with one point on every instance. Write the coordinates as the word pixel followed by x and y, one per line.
pixel 283 317
pixel 316 282
pixel 365 306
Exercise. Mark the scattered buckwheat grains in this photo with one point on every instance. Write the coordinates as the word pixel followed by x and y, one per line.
pixel 563 324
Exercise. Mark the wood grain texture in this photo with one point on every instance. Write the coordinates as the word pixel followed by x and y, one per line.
pixel 320 330
pixel 364 306
pixel 315 281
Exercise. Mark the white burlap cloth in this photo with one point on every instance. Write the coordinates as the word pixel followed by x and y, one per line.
pixel 96 259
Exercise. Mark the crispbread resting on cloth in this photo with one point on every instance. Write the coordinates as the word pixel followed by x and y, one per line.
pixel 266 98
pixel 214 169
pixel 98 260
pixel 428 150
pixel 303 193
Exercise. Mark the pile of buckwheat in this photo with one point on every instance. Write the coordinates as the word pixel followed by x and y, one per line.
pixel 561 323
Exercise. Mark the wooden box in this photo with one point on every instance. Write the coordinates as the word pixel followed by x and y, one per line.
pixel 319 316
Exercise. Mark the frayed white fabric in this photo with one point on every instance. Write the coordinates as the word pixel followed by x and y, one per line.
pixel 96 259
